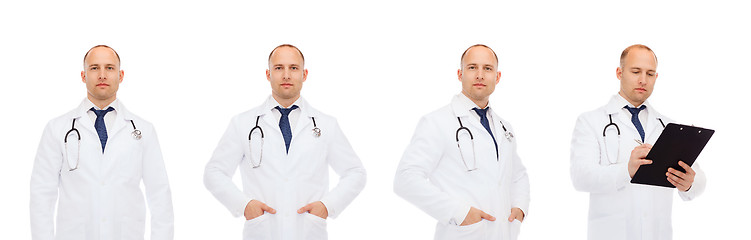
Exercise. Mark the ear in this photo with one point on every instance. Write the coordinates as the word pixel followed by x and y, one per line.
pixel 83 76
pixel 304 75
pixel 122 75
pixel 268 75
pixel 618 73
pixel 498 78
pixel 459 74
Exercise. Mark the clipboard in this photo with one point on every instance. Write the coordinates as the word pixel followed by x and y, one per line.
pixel 677 142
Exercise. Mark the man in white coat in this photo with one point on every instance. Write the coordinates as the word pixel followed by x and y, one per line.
pixel 606 151
pixel 284 149
pixel 462 167
pixel 92 161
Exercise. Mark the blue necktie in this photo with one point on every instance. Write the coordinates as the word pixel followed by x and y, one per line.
pixel 284 124
pixel 486 124
pixel 99 124
pixel 635 119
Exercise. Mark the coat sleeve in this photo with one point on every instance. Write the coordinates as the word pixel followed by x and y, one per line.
pixel 218 173
pixel 700 183
pixel 352 176
pixel 158 193
pixel 586 172
pixel 520 196
pixel 45 177
pixel 411 181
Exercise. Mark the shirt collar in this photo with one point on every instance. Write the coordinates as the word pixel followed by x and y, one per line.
pixel 617 102
pixel 305 110
pixel 463 106
pixel 275 104
pixel 114 104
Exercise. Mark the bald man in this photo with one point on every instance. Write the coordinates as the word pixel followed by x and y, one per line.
pixel 284 149
pixel 611 143
pixel 461 166
pixel 92 161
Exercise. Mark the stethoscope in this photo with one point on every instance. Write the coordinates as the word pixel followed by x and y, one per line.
pixel 136 135
pixel 509 136
pixel 618 130
pixel 316 133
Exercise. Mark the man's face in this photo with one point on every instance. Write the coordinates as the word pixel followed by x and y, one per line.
pixel 637 75
pixel 479 74
pixel 286 73
pixel 102 74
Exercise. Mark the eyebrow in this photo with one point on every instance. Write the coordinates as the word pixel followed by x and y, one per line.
pixel 280 64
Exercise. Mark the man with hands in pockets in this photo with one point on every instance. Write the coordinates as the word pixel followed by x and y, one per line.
pixel 461 166
pixel 284 149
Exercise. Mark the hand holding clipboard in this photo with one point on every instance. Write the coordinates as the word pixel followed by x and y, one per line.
pixel 676 143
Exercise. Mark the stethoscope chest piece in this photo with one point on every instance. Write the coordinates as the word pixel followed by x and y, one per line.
pixel 316 132
pixel 509 135
pixel 136 134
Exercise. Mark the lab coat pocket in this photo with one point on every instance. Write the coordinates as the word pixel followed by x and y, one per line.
pixel 131 228
pixel 257 228
pixel 472 231
pixel 514 228
pixel 314 227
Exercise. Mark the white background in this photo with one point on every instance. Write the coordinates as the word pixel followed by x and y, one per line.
pixel 378 66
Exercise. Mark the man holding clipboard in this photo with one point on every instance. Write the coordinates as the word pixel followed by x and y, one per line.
pixel 610 144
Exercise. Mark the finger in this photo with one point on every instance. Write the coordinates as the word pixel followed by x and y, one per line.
pixel 675 172
pixel 674 177
pixel 268 209
pixel 487 216
pixel 676 184
pixel 306 208
pixel 688 168
pixel 645 162
pixel 647 145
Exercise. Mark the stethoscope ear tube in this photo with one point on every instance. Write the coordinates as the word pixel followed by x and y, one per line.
pixel 256 127
pixel 72 129
pixel 462 127
pixel 611 124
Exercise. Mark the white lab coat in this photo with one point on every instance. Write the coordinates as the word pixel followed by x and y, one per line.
pixel 433 176
pixel 617 208
pixel 102 199
pixel 285 182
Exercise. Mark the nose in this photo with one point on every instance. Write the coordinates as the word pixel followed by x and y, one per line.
pixel 101 75
pixel 285 74
pixel 642 78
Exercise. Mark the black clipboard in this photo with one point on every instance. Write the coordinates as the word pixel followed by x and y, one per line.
pixel 676 143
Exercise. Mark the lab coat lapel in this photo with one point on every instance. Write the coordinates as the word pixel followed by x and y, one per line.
pixel 622 119
pixel 83 122
pixel 304 121
pixel 469 118
pixel 504 156
pixel 119 122
pixel 654 127
pixel 268 118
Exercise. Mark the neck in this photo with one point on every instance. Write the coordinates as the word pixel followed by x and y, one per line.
pixel 636 104
pixel 101 103
pixel 285 102
pixel 481 103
